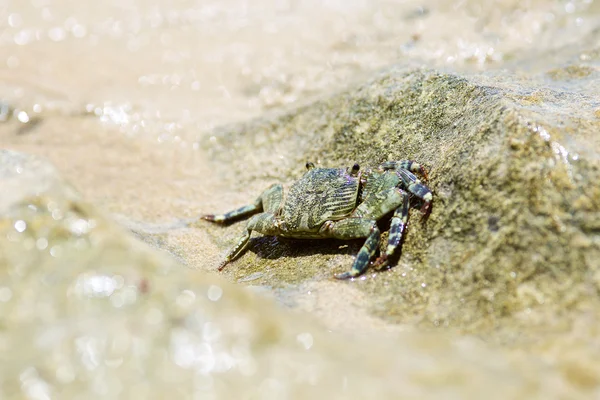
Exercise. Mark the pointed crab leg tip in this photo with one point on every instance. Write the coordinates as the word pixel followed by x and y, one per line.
pixel 344 276
pixel 426 209
pixel 222 265
pixel 425 213
pixel 208 217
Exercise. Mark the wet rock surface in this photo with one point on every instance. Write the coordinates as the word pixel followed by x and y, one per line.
pixel 515 206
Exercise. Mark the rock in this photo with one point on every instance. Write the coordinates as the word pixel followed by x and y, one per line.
pixel 515 185
pixel 88 311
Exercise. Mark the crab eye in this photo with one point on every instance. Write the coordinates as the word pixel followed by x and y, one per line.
pixel 354 170
pixel 310 165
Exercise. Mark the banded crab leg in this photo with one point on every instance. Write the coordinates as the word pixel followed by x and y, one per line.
pixel 356 228
pixel 409 165
pixel 269 200
pixel 405 169
pixel 397 230
pixel 363 223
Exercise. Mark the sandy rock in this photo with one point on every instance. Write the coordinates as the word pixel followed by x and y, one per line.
pixel 96 314
pixel 515 193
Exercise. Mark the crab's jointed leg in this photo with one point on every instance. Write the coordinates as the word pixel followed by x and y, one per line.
pixel 263 223
pixel 355 228
pixel 409 165
pixel 404 169
pixel 266 201
pixel 269 201
pixel 364 225
pixel 415 187
pixel 238 213
pixel 399 220
pixel 397 228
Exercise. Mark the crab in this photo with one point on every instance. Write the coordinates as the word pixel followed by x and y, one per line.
pixel 339 203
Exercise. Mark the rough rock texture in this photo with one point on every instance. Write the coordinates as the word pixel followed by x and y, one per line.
pixel 514 170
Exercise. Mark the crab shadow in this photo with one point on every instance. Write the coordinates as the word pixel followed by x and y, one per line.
pixel 275 247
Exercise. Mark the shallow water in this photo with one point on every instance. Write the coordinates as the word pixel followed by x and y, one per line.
pixel 123 98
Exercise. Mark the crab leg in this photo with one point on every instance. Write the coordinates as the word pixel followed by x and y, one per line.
pixel 269 199
pixel 404 169
pixel 410 165
pixel 363 225
pixel 355 228
pixel 263 223
pixel 397 228
pixel 415 187
pixel 236 250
